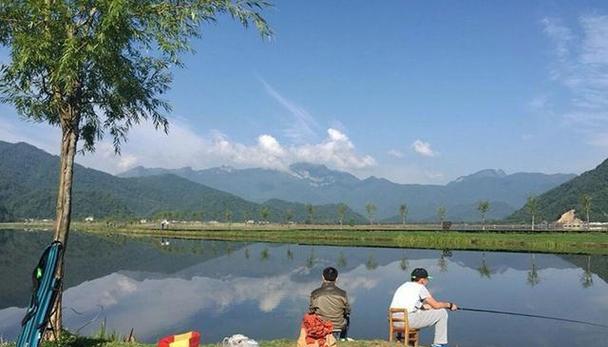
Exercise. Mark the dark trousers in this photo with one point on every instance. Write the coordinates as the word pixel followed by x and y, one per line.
pixel 342 333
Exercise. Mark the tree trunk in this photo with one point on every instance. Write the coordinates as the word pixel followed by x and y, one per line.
pixel 63 212
pixel 532 222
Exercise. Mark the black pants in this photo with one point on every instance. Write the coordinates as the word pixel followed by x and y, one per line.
pixel 342 333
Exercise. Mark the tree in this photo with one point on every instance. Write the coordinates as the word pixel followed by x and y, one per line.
pixel 483 207
pixel 371 211
pixel 403 212
pixel 310 210
pixel 441 211
pixel 586 204
pixel 265 213
pixel 93 68
pixel 532 207
pixel 289 215
pixel 342 212
pixel 228 216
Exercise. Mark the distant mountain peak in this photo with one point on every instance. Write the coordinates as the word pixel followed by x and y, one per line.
pixel 226 168
pixel 486 173
pixel 319 174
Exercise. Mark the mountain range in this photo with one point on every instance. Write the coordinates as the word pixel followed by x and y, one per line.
pixel 28 189
pixel 306 183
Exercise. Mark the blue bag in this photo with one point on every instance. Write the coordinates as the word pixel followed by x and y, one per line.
pixel 46 287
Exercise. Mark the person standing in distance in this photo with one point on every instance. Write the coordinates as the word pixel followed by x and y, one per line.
pixel 423 310
pixel 331 303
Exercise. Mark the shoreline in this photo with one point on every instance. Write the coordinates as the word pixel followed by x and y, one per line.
pixel 393 236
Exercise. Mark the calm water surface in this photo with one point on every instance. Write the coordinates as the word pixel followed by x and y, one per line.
pixel 261 290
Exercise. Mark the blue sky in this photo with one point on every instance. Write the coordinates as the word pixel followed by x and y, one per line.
pixel 416 92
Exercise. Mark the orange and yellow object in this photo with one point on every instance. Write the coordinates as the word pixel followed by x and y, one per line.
pixel 189 339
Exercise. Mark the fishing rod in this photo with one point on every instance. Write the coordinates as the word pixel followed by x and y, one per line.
pixel 532 315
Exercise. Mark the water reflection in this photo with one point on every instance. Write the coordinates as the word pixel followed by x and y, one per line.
pixel 310 261
pixel 587 276
pixel 484 269
pixel 265 254
pixel 533 277
pixel 371 263
pixel 219 289
pixel 341 262
pixel 404 263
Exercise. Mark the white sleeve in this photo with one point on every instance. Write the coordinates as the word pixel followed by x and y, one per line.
pixel 424 293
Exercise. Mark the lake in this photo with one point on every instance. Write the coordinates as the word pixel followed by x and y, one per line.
pixel 261 290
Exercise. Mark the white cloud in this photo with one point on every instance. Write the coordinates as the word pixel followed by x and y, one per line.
pixel 184 147
pixel 581 68
pixel 336 150
pixel 423 148
pixel 395 153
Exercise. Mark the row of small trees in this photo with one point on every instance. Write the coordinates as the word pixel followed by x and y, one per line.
pixel 483 206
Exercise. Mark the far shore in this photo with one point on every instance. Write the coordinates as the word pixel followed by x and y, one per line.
pixel 494 238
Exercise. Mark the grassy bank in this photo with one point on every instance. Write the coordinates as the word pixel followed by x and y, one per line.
pixel 374 236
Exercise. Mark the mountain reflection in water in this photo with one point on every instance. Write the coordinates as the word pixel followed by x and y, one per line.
pixel 261 290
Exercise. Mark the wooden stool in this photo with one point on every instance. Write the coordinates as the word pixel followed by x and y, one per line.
pixel 400 324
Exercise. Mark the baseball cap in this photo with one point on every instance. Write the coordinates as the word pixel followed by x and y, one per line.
pixel 420 273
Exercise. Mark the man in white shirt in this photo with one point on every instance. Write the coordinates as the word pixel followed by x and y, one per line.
pixel 423 310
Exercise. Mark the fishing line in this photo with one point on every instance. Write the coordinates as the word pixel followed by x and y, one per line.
pixel 90 321
pixel 533 316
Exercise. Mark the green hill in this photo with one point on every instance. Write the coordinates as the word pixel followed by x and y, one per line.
pixel 568 195
pixel 28 186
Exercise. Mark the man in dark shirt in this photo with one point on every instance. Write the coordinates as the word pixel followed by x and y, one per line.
pixel 331 303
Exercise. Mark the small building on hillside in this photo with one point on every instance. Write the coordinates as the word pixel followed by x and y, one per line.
pixel 568 220
pixel 164 224
pixel 89 219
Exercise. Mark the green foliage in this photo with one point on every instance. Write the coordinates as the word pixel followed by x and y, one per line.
pixel 371 211
pixel 441 212
pixel 403 212
pixel 101 66
pixel 483 207
pixel 586 204
pixel 532 205
pixel 265 213
pixel 550 205
pixel 342 208
pixel 320 214
pixel 310 210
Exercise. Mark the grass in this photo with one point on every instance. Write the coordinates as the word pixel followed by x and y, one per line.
pixel 100 339
pixel 91 342
pixel 571 242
